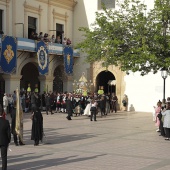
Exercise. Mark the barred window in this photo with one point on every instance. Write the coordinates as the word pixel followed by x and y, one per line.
pixel 108 3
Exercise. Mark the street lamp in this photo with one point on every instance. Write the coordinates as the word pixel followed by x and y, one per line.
pixel 164 75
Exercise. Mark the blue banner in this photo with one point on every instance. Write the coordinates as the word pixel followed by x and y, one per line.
pixel 42 55
pixel 8 60
pixel 68 59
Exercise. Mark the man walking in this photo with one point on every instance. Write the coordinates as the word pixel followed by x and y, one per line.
pixel 5 138
pixel 69 107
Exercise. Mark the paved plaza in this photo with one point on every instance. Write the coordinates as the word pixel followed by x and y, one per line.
pixel 120 141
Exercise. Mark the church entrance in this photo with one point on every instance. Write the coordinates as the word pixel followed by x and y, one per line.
pixel 102 79
pixel 29 76
pixel 58 80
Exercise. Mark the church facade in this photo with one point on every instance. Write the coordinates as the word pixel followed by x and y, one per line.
pixel 62 18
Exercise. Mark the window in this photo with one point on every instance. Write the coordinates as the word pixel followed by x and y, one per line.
pixel 31 25
pixel 108 3
pixel 1 20
pixel 59 32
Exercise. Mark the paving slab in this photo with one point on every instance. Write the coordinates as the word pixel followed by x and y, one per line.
pixel 119 141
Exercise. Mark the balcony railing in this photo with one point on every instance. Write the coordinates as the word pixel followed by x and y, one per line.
pixel 25 44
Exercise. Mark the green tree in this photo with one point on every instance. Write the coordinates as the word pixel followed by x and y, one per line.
pixel 130 36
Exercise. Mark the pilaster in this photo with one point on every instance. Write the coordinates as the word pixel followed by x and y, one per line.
pixel 68 83
pixel 7 16
pixel 46 83
pixel 12 82
pixel 14 17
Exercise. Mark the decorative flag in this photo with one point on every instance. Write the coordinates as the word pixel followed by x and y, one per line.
pixel 19 117
pixel 8 60
pixel 68 59
pixel 42 54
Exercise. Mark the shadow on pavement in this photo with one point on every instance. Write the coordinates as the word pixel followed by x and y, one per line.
pixel 31 164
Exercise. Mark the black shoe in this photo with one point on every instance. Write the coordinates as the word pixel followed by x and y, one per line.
pixel 68 118
pixel 21 143
pixel 95 120
pixel 91 120
pixel 16 144
pixel 52 113
pixel 36 144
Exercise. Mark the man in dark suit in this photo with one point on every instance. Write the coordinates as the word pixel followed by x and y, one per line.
pixel 5 138
pixel 69 107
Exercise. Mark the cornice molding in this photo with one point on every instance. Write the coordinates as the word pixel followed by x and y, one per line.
pixel 32 9
pixel 5 2
pixel 65 4
pixel 60 16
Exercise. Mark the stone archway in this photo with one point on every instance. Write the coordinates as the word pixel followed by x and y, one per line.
pixel 29 75
pixel 102 80
pixel 58 80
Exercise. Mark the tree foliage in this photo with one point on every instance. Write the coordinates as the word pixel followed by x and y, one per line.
pixel 130 36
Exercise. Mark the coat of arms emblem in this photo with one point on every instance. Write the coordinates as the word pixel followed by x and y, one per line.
pixel 42 58
pixel 9 54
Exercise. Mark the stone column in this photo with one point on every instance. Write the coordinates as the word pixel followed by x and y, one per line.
pixel 7 16
pixel 14 17
pixel 25 20
pixel 49 18
pixel 40 26
pixel 68 84
pixel 12 82
pixel 46 83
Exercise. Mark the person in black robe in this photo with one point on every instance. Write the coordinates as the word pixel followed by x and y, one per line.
pixel 37 126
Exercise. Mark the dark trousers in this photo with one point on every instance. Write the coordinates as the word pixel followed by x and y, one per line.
pixel 102 111
pixel 167 131
pixel 16 139
pixel 113 106
pixel 4 156
pixel 48 108
pixel 93 114
pixel 69 112
pixel 161 128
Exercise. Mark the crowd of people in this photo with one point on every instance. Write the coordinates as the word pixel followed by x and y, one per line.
pixel 59 39
pixel 161 117
pixel 35 103
pixel 56 102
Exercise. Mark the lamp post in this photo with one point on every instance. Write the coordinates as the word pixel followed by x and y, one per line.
pixel 164 75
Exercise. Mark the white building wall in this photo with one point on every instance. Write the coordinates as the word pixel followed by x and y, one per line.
pixel 143 91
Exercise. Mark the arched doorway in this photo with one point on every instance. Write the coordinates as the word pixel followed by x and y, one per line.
pixel 102 80
pixel 58 80
pixel 29 76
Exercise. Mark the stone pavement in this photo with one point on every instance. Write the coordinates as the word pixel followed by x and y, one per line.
pixel 121 141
